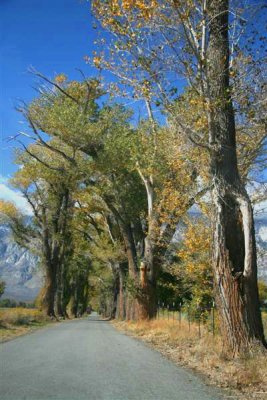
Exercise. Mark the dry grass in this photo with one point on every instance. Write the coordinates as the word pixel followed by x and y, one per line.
pixel 247 378
pixel 18 321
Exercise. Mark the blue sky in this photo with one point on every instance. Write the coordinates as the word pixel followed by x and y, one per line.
pixel 51 35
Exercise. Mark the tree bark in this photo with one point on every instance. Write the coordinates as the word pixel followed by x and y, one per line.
pixel 60 291
pixel 50 284
pixel 130 250
pixel 132 301
pixel 121 313
pixel 149 267
pixel 50 291
pixel 234 249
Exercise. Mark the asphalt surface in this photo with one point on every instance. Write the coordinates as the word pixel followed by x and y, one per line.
pixel 89 359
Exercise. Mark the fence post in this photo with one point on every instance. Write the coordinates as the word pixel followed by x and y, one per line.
pixel 168 311
pixel 199 322
pixel 188 315
pixel 199 319
pixel 180 315
pixel 213 318
pixel 173 305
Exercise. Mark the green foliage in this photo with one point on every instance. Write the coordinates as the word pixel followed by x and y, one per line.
pixel 10 303
pixel 190 268
pixel 262 293
pixel 171 289
pixel 2 287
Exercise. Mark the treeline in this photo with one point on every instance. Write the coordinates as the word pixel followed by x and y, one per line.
pixel 110 195
pixel 10 303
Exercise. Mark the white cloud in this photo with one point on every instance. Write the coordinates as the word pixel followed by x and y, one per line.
pixel 3 179
pixel 258 195
pixel 8 194
pixel 260 208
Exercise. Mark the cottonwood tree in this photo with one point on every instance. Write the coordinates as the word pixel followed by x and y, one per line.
pixel 70 113
pixel 160 42
pixel 47 188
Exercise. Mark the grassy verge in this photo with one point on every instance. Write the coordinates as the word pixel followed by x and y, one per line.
pixel 247 378
pixel 19 321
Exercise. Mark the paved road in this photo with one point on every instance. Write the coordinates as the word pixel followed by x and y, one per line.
pixel 89 359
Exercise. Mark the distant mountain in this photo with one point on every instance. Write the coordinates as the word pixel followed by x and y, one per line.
pixel 261 237
pixel 19 268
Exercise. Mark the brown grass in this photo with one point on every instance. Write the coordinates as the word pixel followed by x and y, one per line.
pixel 18 321
pixel 247 378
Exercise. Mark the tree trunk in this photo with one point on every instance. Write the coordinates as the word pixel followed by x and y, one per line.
pixel 235 271
pixel 50 291
pixel 50 284
pixel 234 249
pixel 121 314
pixel 130 250
pixel 148 297
pixel 149 268
pixel 133 277
pixel 59 293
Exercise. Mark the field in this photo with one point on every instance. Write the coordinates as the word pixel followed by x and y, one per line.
pixel 18 321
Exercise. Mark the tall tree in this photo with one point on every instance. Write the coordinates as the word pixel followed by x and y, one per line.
pixel 48 187
pixel 193 39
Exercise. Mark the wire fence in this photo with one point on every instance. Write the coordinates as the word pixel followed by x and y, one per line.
pixel 205 318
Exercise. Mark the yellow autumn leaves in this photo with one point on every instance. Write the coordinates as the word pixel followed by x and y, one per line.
pixel 7 210
pixel 194 253
pixel 145 8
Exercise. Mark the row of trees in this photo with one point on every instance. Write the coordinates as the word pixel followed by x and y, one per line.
pixel 108 194
pixel 153 45
pixel 85 177
pixel 47 185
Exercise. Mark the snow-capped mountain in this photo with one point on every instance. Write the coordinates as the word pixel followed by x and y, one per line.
pixel 261 236
pixel 18 268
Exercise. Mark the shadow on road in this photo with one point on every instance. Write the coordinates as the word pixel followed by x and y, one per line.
pixel 97 320
pixel 94 317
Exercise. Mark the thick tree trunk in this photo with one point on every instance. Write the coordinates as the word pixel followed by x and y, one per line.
pixel 59 293
pixel 50 291
pixel 74 304
pixel 121 313
pixel 50 284
pixel 149 267
pixel 234 249
pixel 235 272
pixel 130 250
pixel 116 290
pixel 148 297
pixel 132 303
pixel 149 270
